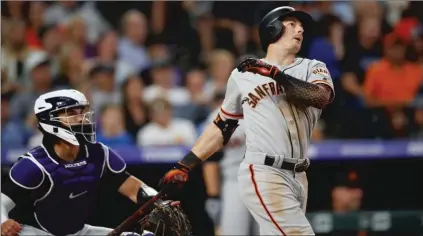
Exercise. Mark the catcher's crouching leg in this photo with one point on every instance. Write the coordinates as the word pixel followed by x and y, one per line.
pixel 166 220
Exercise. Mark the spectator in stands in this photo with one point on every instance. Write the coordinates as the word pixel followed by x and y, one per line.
pixel 72 72
pixel 362 49
pixel 61 12
pixel 417 44
pixel 14 132
pixel 37 66
pixel 14 10
pixel 14 51
pixel 220 67
pixel 107 54
pixel 103 91
pixel 417 130
pixel 417 49
pixel 165 130
pixel 51 42
pixel 197 109
pixel 214 105
pixel 328 47
pixel 5 87
pixel 392 81
pixel 162 75
pixel 131 48
pixel 347 193
pixel 359 56
pixel 112 131
pixel 35 24
pixel 157 48
pixel 134 108
pixel 76 34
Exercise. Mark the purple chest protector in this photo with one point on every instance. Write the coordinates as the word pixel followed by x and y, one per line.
pixel 65 202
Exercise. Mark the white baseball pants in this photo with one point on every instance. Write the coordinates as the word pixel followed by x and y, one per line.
pixel 275 197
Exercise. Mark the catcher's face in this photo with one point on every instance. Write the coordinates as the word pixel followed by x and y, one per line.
pixel 292 37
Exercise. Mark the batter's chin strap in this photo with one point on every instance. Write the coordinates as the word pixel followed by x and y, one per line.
pixel 227 127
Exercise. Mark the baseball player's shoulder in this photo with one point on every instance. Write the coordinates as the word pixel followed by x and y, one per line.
pixel 310 62
pixel 27 172
pixel 234 74
pixel 115 163
pixel 37 152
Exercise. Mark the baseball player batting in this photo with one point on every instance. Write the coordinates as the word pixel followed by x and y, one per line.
pixel 280 99
pixel 52 188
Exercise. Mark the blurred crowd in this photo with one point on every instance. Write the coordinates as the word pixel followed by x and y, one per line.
pixel 154 71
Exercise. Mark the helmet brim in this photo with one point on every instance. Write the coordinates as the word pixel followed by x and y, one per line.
pixel 305 19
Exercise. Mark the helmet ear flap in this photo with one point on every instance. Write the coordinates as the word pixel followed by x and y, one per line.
pixel 273 31
pixel 276 28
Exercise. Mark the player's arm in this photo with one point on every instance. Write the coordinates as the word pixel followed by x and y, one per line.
pixel 303 93
pixel 313 92
pixel 25 176
pixel 214 137
pixel 116 177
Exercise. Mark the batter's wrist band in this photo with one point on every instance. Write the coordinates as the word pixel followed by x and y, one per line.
pixel 190 161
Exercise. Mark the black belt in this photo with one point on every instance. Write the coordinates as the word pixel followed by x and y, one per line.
pixel 297 167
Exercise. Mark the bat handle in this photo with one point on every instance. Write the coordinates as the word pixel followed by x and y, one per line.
pixel 136 215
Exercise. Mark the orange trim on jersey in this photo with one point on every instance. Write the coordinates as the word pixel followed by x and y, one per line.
pixel 238 116
pixel 320 81
pixel 262 202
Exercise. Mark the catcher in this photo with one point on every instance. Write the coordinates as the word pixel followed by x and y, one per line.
pixel 52 188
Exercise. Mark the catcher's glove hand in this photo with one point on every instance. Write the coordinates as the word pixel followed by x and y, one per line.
pixel 257 66
pixel 167 219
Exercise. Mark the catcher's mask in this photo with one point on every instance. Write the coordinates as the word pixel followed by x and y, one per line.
pixel 166 220
pixel 66 114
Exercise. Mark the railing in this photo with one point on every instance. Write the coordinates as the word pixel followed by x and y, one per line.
pixel 327 150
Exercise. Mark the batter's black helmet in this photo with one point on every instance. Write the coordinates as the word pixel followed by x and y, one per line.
pixel 270 27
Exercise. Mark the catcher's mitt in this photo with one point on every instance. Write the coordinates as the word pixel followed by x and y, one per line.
pixel 166 220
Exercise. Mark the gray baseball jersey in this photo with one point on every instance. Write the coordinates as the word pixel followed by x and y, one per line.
pixel 276 198
pixel 273 125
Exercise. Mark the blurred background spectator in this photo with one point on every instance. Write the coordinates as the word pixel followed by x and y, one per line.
pixel 112 130
pixel 134 107
pixel 154 71
pixel 164 129
pixel 15 133
pixel 131 46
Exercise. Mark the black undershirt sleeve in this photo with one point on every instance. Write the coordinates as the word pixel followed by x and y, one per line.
pixel 305 93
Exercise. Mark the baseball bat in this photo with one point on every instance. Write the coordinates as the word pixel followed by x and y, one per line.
pixel 131 220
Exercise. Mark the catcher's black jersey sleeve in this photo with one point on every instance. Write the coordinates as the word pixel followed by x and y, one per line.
pixel 115 172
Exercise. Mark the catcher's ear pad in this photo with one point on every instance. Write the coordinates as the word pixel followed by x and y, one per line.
pixel 275 30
